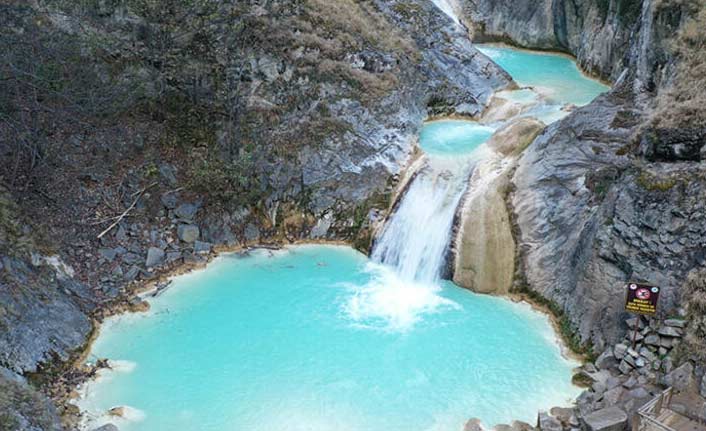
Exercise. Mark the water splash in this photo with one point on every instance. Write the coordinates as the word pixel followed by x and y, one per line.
pixel 390 303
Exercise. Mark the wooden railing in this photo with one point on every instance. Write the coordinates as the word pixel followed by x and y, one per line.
pixel 648 414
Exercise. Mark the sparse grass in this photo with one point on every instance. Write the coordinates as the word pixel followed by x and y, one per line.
pixel 650 181
pixel 694 294
pixel 683 104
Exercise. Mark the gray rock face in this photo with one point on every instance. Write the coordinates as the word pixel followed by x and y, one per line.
pixel 107 427
pixel 589 219
pixel 605 37
pixel 36 330
pixel 22 408
pixel 607 419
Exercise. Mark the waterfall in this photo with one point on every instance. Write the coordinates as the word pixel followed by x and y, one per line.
pixel 448 7
pixel 415 239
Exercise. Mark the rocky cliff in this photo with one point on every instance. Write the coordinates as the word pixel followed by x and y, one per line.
pixel 605 36
pixel 140 136
pixel 607 194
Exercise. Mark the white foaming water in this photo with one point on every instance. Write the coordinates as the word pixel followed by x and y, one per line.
pixel 390 303
pixel 447 7
pixel 410 252
pixel 415 239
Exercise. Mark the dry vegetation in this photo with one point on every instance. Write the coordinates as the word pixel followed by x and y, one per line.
pixel 695 296
pixel 683 104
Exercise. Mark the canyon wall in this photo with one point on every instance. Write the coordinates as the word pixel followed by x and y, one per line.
pixel 605 36
pixel 593 206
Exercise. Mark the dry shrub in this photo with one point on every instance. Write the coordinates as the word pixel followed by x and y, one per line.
pixel 370 84
pixel 361 18
pixel 695 299
pixel 683 104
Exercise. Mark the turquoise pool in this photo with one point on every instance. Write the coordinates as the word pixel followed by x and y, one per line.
pixel 318 338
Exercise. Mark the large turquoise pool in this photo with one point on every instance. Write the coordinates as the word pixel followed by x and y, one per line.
pixel 318 338
pixel 553 75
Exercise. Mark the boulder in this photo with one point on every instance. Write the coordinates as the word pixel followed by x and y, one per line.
pixel 521 426
pixel 155 256
pixel 188 232
pixel 473 424
pixel 652 340
pixel 545 422
pixel 676 323
pixel 606 360
pixel 201 247
pixel 169 200
pixel 611 397
pixel 681 378
pixel 625 367
pixel 117 411
pixel 186 211
pixel 516 136
pixel 669 331
pixel 108 254
pixel 620 350
pixel 107 427
pixel 607 419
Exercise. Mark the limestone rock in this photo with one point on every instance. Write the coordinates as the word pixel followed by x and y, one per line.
pixel 606 419
pixel 501 109
pixel 515 136
pixel 485 248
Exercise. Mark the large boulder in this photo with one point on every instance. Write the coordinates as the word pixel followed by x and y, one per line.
pixel 607 419
pixel 681 378
pixel 515 136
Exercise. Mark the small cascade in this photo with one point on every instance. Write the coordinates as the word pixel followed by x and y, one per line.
pixel 415 239
pixel 448 7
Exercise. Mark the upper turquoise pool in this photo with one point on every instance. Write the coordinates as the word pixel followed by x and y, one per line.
pixel 553 75
pixel 453 137
pixel 317 338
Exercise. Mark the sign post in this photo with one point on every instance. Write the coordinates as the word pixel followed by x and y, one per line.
pixel 641 299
